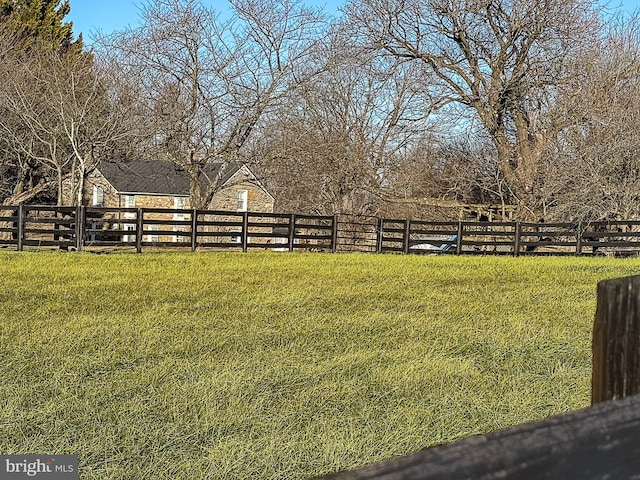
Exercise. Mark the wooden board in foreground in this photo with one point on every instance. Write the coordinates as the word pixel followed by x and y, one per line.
pixel 600 442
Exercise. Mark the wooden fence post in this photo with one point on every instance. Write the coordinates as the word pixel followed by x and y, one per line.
pixel 139 229
pixel 406 237
pixel 334 234
pixel 194 230
pixel 616 340
pixel 21 222
pixel 459 238
pixel 579 239
pixel 516 240
pixel 380 235
pixel 292 230
pixel 245 231
pixel 80 226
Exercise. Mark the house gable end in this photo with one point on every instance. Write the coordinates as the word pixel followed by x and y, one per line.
pixel 104 179
pixel 157 184
pixel 251 177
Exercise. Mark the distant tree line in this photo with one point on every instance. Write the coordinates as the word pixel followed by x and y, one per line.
pixel 391 107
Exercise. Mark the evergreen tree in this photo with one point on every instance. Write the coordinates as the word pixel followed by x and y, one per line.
pixel 39 56
pixel 40 21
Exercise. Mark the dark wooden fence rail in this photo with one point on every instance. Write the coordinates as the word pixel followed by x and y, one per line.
pixel 35 226
pixel 356 233
pixel 509 238
pixel 600 442
pixel 138 228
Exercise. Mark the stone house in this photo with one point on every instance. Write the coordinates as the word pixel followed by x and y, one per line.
pixel 162 185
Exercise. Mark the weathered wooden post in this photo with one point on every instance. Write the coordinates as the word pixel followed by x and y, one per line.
pixel 406 239
pixel 245 231
pixel 459 238
pixel 616 340
pixel 334 233
pixel 21 222
pixel 380 236
pixel 579 239
pixel 516 239
pixel 194 230
pixel 80 226
pixel 292 231
pixel 139 229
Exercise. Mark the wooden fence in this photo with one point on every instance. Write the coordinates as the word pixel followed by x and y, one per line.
pixel 81 228
pixel 511 238
pixel 38 226
pixel 600 442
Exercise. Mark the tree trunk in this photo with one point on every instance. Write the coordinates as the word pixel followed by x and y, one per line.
pixel 519 165
pixel 80 191
pixel 195 190
pixel 60 201
pixel 18 198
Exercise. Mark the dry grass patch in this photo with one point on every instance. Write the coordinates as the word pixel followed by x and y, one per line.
pixel 283 365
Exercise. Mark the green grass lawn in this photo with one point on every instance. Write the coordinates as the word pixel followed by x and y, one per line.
pixel 283 366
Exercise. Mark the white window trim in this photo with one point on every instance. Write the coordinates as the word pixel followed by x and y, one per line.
pixel 130 228
pixel 98 196
pixel 153 237
pixel 179 203
pixel 178 238
pixel 129 202
pixel 242 198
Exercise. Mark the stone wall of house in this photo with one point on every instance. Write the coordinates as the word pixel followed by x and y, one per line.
pixel 153 201
pixel 111 197
pixel 166 202
pixel 119 221
pixel 110 194
pixel 227 198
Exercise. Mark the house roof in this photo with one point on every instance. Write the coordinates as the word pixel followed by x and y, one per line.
pixel 157 177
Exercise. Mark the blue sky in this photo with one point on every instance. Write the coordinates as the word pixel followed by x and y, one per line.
pixel 106 16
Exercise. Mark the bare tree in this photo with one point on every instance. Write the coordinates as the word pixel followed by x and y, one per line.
pixel 502 60
pixel 593 168
pixel 205 82
pixel 21 178
pixel 59 118
pixel 333 147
